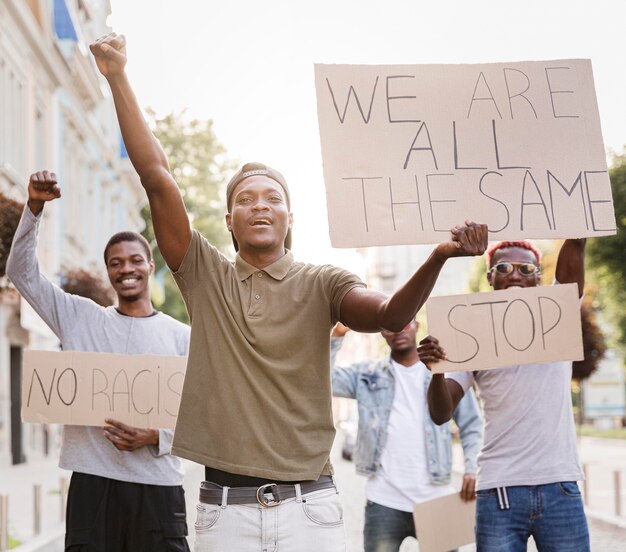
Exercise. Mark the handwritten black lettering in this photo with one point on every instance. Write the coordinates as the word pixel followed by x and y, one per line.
pixel 569 192
pixel 102 391
pixel 497 150
pixel 75 386
pixel 123 377
pixel 528 176
pixel 413 147
pixel 476 344
pixel 176 376
pixel 431 201
pixel 363 180
pixel 352 92
pixel 518 94
pixel 517 323
pixel 391 98
pixel 545 332
pixel 555 92
pixel 596 201
pixel 132 393
pixel 456 151
pixel 493 323
pixel 394 203
pixel 506 209
pixel 489 97
pixel 30 387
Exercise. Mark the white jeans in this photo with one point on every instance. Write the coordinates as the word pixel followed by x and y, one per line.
pixel 309 523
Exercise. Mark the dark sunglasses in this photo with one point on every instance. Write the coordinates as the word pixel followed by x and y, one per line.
pixel 525 269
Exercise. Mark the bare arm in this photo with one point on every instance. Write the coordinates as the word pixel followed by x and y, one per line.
pixel 368 311
pixel 570 266
pixel 169 216
pixel 443 394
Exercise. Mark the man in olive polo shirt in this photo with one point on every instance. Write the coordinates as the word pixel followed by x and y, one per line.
pixel 256 404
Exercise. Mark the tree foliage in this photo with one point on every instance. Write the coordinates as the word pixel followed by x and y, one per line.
pixel 594 345
pixel 10 213
pixel 199 165
pixel 607 257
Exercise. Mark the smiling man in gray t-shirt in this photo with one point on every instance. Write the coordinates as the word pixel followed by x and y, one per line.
pixel 528 466
pixel 126 488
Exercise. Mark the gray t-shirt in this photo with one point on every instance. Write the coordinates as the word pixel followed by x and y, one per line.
pixel 82 325
pixel 530 438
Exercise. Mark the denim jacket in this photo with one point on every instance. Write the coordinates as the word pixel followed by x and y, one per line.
pixel 372 385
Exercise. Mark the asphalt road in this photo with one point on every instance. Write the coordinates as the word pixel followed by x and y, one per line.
pixel 604 537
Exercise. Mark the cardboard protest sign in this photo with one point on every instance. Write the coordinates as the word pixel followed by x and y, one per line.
pixel 411 150
pixel 444 523
pixel 77 388
pixel 480 331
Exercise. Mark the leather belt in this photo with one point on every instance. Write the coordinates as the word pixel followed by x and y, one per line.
pixel 268 495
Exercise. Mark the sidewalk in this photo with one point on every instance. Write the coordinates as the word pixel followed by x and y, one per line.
pixel 17 482
pixel 604 537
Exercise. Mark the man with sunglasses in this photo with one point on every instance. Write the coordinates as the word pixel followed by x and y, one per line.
pixel 405 456
pixel 528 466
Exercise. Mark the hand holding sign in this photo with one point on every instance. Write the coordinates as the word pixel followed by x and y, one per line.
pixel 125 437
pixel 466 241
pixel 468 487
pixel 430 351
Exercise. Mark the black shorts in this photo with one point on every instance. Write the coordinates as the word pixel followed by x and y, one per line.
pixel 106 515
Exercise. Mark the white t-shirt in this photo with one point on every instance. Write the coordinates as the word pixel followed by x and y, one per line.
pixel 530 438
pixel 403 478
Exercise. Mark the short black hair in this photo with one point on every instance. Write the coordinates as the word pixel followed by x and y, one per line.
pixel 128 236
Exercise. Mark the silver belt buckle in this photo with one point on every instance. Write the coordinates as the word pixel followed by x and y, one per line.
pixel 262 499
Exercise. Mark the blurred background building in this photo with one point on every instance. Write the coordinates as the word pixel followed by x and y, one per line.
pixel 54 115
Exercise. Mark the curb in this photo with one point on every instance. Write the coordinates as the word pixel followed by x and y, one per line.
pixel 52 540
pixel 609 519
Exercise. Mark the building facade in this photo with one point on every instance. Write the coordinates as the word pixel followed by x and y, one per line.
pixel 55 115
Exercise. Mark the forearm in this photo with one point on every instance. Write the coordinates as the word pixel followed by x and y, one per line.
pixel 22 264
pixel 471 440
pixel 440 402
pixel 403 305
pixel 50 302
pixel 570 266
pixel 144 150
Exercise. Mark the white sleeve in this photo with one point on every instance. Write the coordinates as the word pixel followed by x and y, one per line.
pixel 57 308
pixel 464 379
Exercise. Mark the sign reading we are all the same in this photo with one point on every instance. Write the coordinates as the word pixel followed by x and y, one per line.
pixel 80 388
pixel 411 150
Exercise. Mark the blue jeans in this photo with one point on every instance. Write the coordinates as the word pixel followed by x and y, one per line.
pixel 386 528
pixel 553 514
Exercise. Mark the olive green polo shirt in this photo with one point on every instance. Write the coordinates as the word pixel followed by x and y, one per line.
pixel 257 394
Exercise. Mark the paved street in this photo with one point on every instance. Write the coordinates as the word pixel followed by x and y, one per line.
pixel 601 455
pixel 604 537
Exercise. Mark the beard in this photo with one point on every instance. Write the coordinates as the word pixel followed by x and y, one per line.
pixel 129 298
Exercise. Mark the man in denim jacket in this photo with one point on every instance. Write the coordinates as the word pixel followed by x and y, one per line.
pixel 407 458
